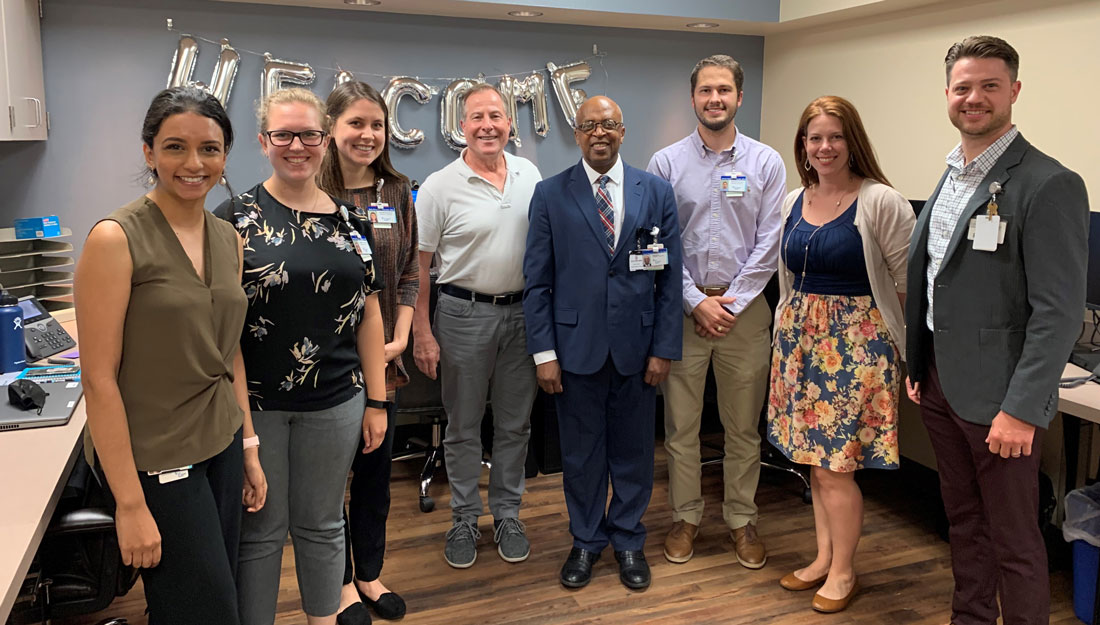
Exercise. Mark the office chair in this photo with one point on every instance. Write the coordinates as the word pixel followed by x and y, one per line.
pixel 421 398
pixel 78 568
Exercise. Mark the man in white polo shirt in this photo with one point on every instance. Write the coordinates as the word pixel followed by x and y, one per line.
pixel 473 215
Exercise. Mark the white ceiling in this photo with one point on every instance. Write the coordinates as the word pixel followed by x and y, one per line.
pixel 794 14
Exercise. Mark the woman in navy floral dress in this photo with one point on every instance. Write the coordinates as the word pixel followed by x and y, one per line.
pixel 839 333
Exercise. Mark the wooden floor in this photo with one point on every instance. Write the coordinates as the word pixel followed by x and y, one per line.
pixel 903 566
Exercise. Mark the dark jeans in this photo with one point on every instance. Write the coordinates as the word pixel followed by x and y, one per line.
pixel 992 505
pixel 199 519
pixel 368 508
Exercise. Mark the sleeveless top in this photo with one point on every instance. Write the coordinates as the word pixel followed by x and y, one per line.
pixel 180 336
pixel 834 263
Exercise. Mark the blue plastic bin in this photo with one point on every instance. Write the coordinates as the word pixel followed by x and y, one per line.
pixel 1085 560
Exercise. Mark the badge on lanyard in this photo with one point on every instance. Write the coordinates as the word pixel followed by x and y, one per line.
pixel 362 248
pixel 654 257
pixel 381 215
pixel 735 184
pixel 988 230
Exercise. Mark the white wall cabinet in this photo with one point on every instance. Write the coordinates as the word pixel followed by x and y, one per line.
pixel 22 83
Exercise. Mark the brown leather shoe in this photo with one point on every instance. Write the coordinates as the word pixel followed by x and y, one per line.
pixel 829 606
pixel 790 581
pixel 679 544
pixel 748 547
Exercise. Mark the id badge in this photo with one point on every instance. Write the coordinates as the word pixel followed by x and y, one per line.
pixel 658 257
pixel 361 246
pixel 171 475
pixel 735 184
pixel 381 215
pixel 987 232
pixel 640 260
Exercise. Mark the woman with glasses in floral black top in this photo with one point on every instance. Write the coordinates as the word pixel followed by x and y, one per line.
pixel 313 347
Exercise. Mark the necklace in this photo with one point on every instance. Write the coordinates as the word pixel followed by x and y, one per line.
pixel 806 248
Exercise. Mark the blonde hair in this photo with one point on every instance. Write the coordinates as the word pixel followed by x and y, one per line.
pixel 290 96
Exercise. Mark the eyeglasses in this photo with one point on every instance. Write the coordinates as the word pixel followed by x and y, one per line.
pixel 609 125
pixel 283 138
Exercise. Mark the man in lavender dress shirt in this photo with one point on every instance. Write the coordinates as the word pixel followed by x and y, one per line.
pixel 728 193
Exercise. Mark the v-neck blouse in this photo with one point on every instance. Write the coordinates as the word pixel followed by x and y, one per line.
pixel 180 336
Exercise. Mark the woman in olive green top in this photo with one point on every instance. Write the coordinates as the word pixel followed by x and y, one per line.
pixel 159 311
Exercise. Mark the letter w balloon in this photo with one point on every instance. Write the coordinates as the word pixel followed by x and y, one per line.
pixel 225 71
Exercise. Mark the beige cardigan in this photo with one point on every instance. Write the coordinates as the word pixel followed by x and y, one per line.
pixel 885 222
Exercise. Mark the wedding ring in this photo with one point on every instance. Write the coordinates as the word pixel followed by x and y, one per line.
pixel 1016 454
pixel 721 328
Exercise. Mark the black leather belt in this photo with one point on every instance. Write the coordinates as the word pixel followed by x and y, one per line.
pixel 506 299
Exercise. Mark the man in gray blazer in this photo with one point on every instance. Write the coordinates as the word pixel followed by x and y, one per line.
pixel 995 303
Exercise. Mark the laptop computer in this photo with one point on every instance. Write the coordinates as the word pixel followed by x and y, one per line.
pixel 60 403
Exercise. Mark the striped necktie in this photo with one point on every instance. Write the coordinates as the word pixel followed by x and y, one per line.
pixel 607 215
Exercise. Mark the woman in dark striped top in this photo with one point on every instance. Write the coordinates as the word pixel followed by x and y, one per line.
pixel 357 168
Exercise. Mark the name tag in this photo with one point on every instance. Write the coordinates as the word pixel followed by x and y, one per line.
pixel 381 215
pixel 653 258
pixel 987 232
pixel 361 246
pixel 734 184
pixel 171 475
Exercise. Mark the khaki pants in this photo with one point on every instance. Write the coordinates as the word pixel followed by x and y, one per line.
pixel 741 366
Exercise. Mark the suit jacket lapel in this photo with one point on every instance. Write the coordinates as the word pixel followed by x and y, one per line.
pixel 632 201
pixel 999 173
pixel 585 198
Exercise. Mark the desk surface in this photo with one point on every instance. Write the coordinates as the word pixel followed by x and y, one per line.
pixel 34 465
pixel 1082 402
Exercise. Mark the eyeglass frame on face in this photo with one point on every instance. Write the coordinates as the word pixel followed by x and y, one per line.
pixel 296 135
pixel 610 125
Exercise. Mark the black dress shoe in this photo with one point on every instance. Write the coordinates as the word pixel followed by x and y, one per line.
pixel 633 569
pixel 354 614
pixel 390 605
pixel 577 570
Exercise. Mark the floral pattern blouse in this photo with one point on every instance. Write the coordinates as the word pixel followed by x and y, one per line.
pixel 306 287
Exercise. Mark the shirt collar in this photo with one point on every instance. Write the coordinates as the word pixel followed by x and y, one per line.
pixel 467 172
pixel 984 161
pixel 697 141
pixel 615 173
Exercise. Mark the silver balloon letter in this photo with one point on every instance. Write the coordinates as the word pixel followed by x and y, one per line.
pixel 404 86
pixel 531 89
pixel 569 99
pixel 277 74
pixel 343 76
pixel 451 112
pixel 183 62
pixel 183 66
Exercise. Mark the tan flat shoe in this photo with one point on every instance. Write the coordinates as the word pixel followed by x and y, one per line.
pixel 829 606
pixel 790 581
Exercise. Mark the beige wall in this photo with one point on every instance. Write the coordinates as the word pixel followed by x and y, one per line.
pixel 891 68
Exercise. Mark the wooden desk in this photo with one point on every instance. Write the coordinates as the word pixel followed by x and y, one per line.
pixel 1082 402
pixel 34 465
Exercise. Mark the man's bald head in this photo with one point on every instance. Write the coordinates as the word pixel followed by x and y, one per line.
pixel 599 132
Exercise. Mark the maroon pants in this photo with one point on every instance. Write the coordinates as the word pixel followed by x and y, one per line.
pixel 992 504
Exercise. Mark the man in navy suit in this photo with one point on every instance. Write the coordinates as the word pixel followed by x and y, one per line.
pixel 603 327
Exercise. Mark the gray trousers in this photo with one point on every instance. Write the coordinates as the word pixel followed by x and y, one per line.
pixel 306 457
pixel 483 347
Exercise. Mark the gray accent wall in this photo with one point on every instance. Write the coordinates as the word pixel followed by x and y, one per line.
pixel 105 59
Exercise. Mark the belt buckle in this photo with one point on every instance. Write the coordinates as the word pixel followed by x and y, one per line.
pixel 498 297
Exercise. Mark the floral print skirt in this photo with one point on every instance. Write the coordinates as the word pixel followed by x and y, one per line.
pixel 833 396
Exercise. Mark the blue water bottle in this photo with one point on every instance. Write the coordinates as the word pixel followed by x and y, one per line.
pixel 13 352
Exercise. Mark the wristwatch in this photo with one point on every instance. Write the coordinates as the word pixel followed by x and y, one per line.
pixel 381 404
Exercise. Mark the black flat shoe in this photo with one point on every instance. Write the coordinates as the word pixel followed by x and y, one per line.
pixel 390 605
pixel 633 569
pixel 354 614
pixel 577 570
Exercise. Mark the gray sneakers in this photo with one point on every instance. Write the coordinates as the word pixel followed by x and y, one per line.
pixel 510 536
pixel 461 549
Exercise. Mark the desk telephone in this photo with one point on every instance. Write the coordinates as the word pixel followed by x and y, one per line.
pixel 42 334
